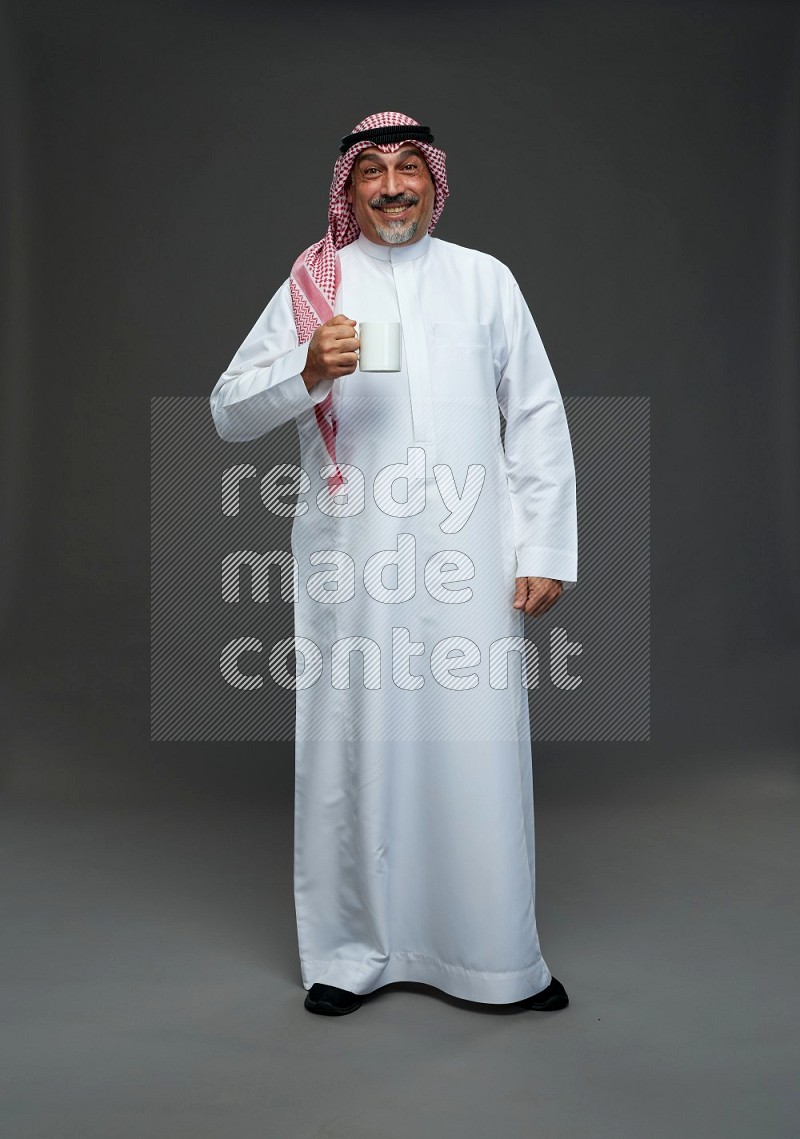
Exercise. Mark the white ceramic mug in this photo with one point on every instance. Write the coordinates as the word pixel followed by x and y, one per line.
pixel 380 346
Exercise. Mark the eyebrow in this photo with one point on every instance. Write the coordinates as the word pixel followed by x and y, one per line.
pixel 377 158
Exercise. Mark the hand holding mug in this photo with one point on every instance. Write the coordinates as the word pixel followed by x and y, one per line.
pixel 331 351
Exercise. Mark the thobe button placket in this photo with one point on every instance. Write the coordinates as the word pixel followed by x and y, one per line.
pixel 406 262
pixel 419 378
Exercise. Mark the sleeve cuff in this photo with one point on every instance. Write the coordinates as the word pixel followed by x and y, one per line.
pixel 542 561
pixel 292 387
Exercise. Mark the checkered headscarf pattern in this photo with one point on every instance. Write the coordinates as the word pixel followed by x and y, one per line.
pixel 315 274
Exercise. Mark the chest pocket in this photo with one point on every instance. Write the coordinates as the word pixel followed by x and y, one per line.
pixel 463 365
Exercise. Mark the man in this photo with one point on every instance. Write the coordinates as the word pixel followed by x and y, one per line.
pixel 414 840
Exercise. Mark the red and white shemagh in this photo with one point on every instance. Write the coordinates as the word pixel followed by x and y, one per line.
pixel 315 274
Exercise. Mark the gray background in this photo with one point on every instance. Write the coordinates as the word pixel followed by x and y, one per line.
pixel 636 166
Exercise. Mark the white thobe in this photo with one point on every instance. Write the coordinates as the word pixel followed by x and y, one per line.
pixel 414 829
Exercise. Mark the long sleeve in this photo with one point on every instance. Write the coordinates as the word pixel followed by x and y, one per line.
pixel 262 386
pixel 538 452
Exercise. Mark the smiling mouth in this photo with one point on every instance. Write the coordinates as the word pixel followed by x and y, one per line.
pixel 395 211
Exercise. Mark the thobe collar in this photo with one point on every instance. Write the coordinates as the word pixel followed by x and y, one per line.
pixel 394 253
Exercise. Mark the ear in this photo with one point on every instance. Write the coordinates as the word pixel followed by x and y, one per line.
pixel 348 188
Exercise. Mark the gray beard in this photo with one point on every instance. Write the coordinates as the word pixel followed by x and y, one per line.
pixel 398 232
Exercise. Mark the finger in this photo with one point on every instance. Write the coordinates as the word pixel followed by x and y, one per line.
pixel 344 363
pixel 340 330
pixel 520 592
pixel 336 356
pixel 345 344
pixel 535 597
pixel 543 601
pixel 340 318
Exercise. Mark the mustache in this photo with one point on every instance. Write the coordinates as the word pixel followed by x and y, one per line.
pixel 397 200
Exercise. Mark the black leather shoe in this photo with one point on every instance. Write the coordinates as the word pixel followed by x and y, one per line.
pixel 549 999
pixel 330 1001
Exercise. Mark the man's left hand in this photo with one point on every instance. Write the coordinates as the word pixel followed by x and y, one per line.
pixel 536 594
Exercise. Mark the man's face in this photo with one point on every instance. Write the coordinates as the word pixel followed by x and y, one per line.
pixel 392 195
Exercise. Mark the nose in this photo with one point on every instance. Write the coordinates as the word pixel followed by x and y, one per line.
pixel 392 184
